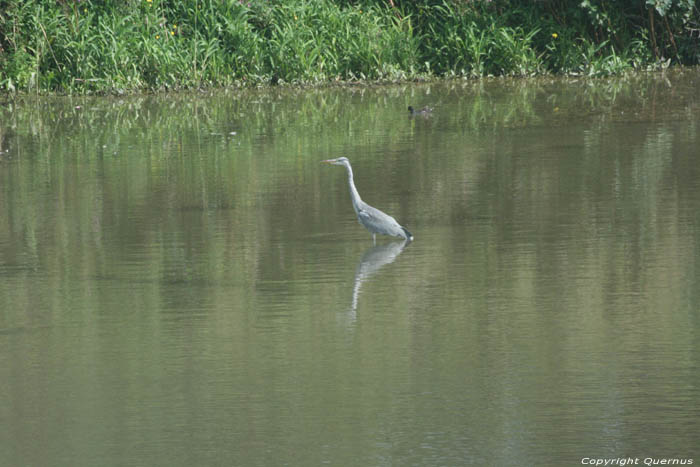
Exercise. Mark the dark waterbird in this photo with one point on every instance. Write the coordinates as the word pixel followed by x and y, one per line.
pixel 374 220
pixel 424 111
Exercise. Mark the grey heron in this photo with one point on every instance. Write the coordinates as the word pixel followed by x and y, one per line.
pixel 374 220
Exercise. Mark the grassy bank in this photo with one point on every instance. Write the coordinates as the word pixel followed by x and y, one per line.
pixel 83 46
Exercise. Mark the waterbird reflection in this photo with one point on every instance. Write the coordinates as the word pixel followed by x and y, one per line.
pixel 372 261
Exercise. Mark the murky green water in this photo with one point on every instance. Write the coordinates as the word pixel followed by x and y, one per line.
pixel 183 283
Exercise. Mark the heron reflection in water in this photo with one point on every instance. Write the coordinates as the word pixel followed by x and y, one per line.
pixel 372 260
pixel 374 220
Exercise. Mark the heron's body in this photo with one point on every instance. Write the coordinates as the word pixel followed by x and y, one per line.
pixel 374 220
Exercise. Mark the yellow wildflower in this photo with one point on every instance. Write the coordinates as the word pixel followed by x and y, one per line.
pixel 555 35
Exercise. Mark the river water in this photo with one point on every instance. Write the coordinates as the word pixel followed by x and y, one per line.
pixel 182 282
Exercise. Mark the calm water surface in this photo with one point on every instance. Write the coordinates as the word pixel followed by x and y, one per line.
pixel 183 283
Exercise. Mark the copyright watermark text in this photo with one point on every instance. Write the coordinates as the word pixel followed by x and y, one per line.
pixel 622 461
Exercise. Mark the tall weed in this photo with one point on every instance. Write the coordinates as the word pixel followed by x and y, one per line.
pixel 126 45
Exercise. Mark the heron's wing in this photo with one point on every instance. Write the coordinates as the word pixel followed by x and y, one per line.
pixel 364 215
pixel 378 221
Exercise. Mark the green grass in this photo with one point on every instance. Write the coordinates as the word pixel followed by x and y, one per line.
pixel 115 46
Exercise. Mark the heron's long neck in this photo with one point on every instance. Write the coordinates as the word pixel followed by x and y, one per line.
pixel 356 200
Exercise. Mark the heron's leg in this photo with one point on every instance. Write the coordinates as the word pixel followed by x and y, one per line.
pixel 374 238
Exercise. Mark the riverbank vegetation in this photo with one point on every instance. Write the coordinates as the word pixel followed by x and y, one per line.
pixel 116 46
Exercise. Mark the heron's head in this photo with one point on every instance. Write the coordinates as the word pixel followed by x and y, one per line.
pixel 338 161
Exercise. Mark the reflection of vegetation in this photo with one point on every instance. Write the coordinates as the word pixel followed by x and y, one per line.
pixel 199 176
pixel 553 219
pixel 88 46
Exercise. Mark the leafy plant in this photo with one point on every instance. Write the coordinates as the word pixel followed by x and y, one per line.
pixel 83 46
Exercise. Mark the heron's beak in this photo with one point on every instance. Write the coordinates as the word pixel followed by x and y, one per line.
pixel 329 161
